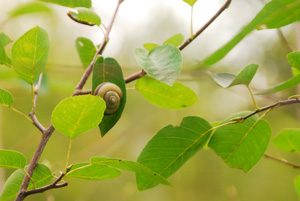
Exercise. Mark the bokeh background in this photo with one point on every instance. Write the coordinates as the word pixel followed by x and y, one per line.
pixel 205 177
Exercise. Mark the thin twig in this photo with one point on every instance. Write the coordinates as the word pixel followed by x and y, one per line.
pixel 275 105
pixel 282 161
pixel 284 40
pixel 48 132
pixel 99 52
pixel 32 113
pixel 48 187
pixel 186 42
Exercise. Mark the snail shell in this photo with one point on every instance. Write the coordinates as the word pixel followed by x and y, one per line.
pixel 111 94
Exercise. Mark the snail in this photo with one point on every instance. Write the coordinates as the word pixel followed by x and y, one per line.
pixel 111 94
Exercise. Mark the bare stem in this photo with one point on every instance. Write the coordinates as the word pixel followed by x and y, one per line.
pixel 20 113
pixel 186 42
pixel 48 132
pixel 253 99
pixel 282 161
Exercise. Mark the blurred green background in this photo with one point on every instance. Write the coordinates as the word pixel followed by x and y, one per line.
pixel 203 178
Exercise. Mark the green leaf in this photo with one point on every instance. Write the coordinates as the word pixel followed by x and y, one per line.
pixel 297 184
pixel 85 16
pixel 176 97
pixel 4 40
pixel 150 46
pixel 30 53
pixel 241 145
pixel 86 50
pixel 288 140
pixel 175 40
pixel 41 176
pixel 78 114
pixel 5 98
pixel 131 166
pixel 275 14
pixel 226 80
pixel 71 3
pixel 29 8
pixel 93 172
pixel 162 63
pixel 12 159
pixel 171 147
pixel 294 59
pixel 108 70
pixel 190 2
pixel 281 86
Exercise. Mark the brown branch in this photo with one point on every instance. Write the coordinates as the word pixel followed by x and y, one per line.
pixel 275 105
pixel 282 161
pixel 48 132
pixel 186 42
pixel 99 52
pixel 54 185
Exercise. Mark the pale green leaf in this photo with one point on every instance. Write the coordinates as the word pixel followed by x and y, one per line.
pixel 281 86
pixel 297 185
pixel 294 59
pixel 288 140
pixel 93 172
pixel 29 8
pixel 150 46
pixel 190 2
pixel 162 63
pixel 12 159
pixel 109 70
pixel 171 147
pixel 4 40
pixel 78 114
pixel 177 96
pixel 86 50
pixel 241 145
pixel 5 98
pixel 175 40
pixel 275 14
pixel 226 80
pixel 131 166
pixel 41 176
pixel 71 3
pixel 86 16
pixel 30 53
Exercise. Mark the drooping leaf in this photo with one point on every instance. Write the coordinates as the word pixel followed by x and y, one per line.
pixel 41 176
pixel 4 40
pixel 5 98
pixel 288 140
pixel 241 145
pixel 294 59
pixel 93 172
pixel 71 3
pixel 171 147
pixel 175 40
pixel 30 53
pixel 131 166
pixel 177 96
pixel 190 2
pixel 162 63
pixel 297 184
pixel 29 8
pixel 275 14
pixel 86 50
pixel 150 46
pixel 281 86
pixel 85 16
pixel 78 114
pixel 226 80
pixel 108 70
pixel 12 159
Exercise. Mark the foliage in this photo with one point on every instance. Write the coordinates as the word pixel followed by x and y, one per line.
pixel 240 140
